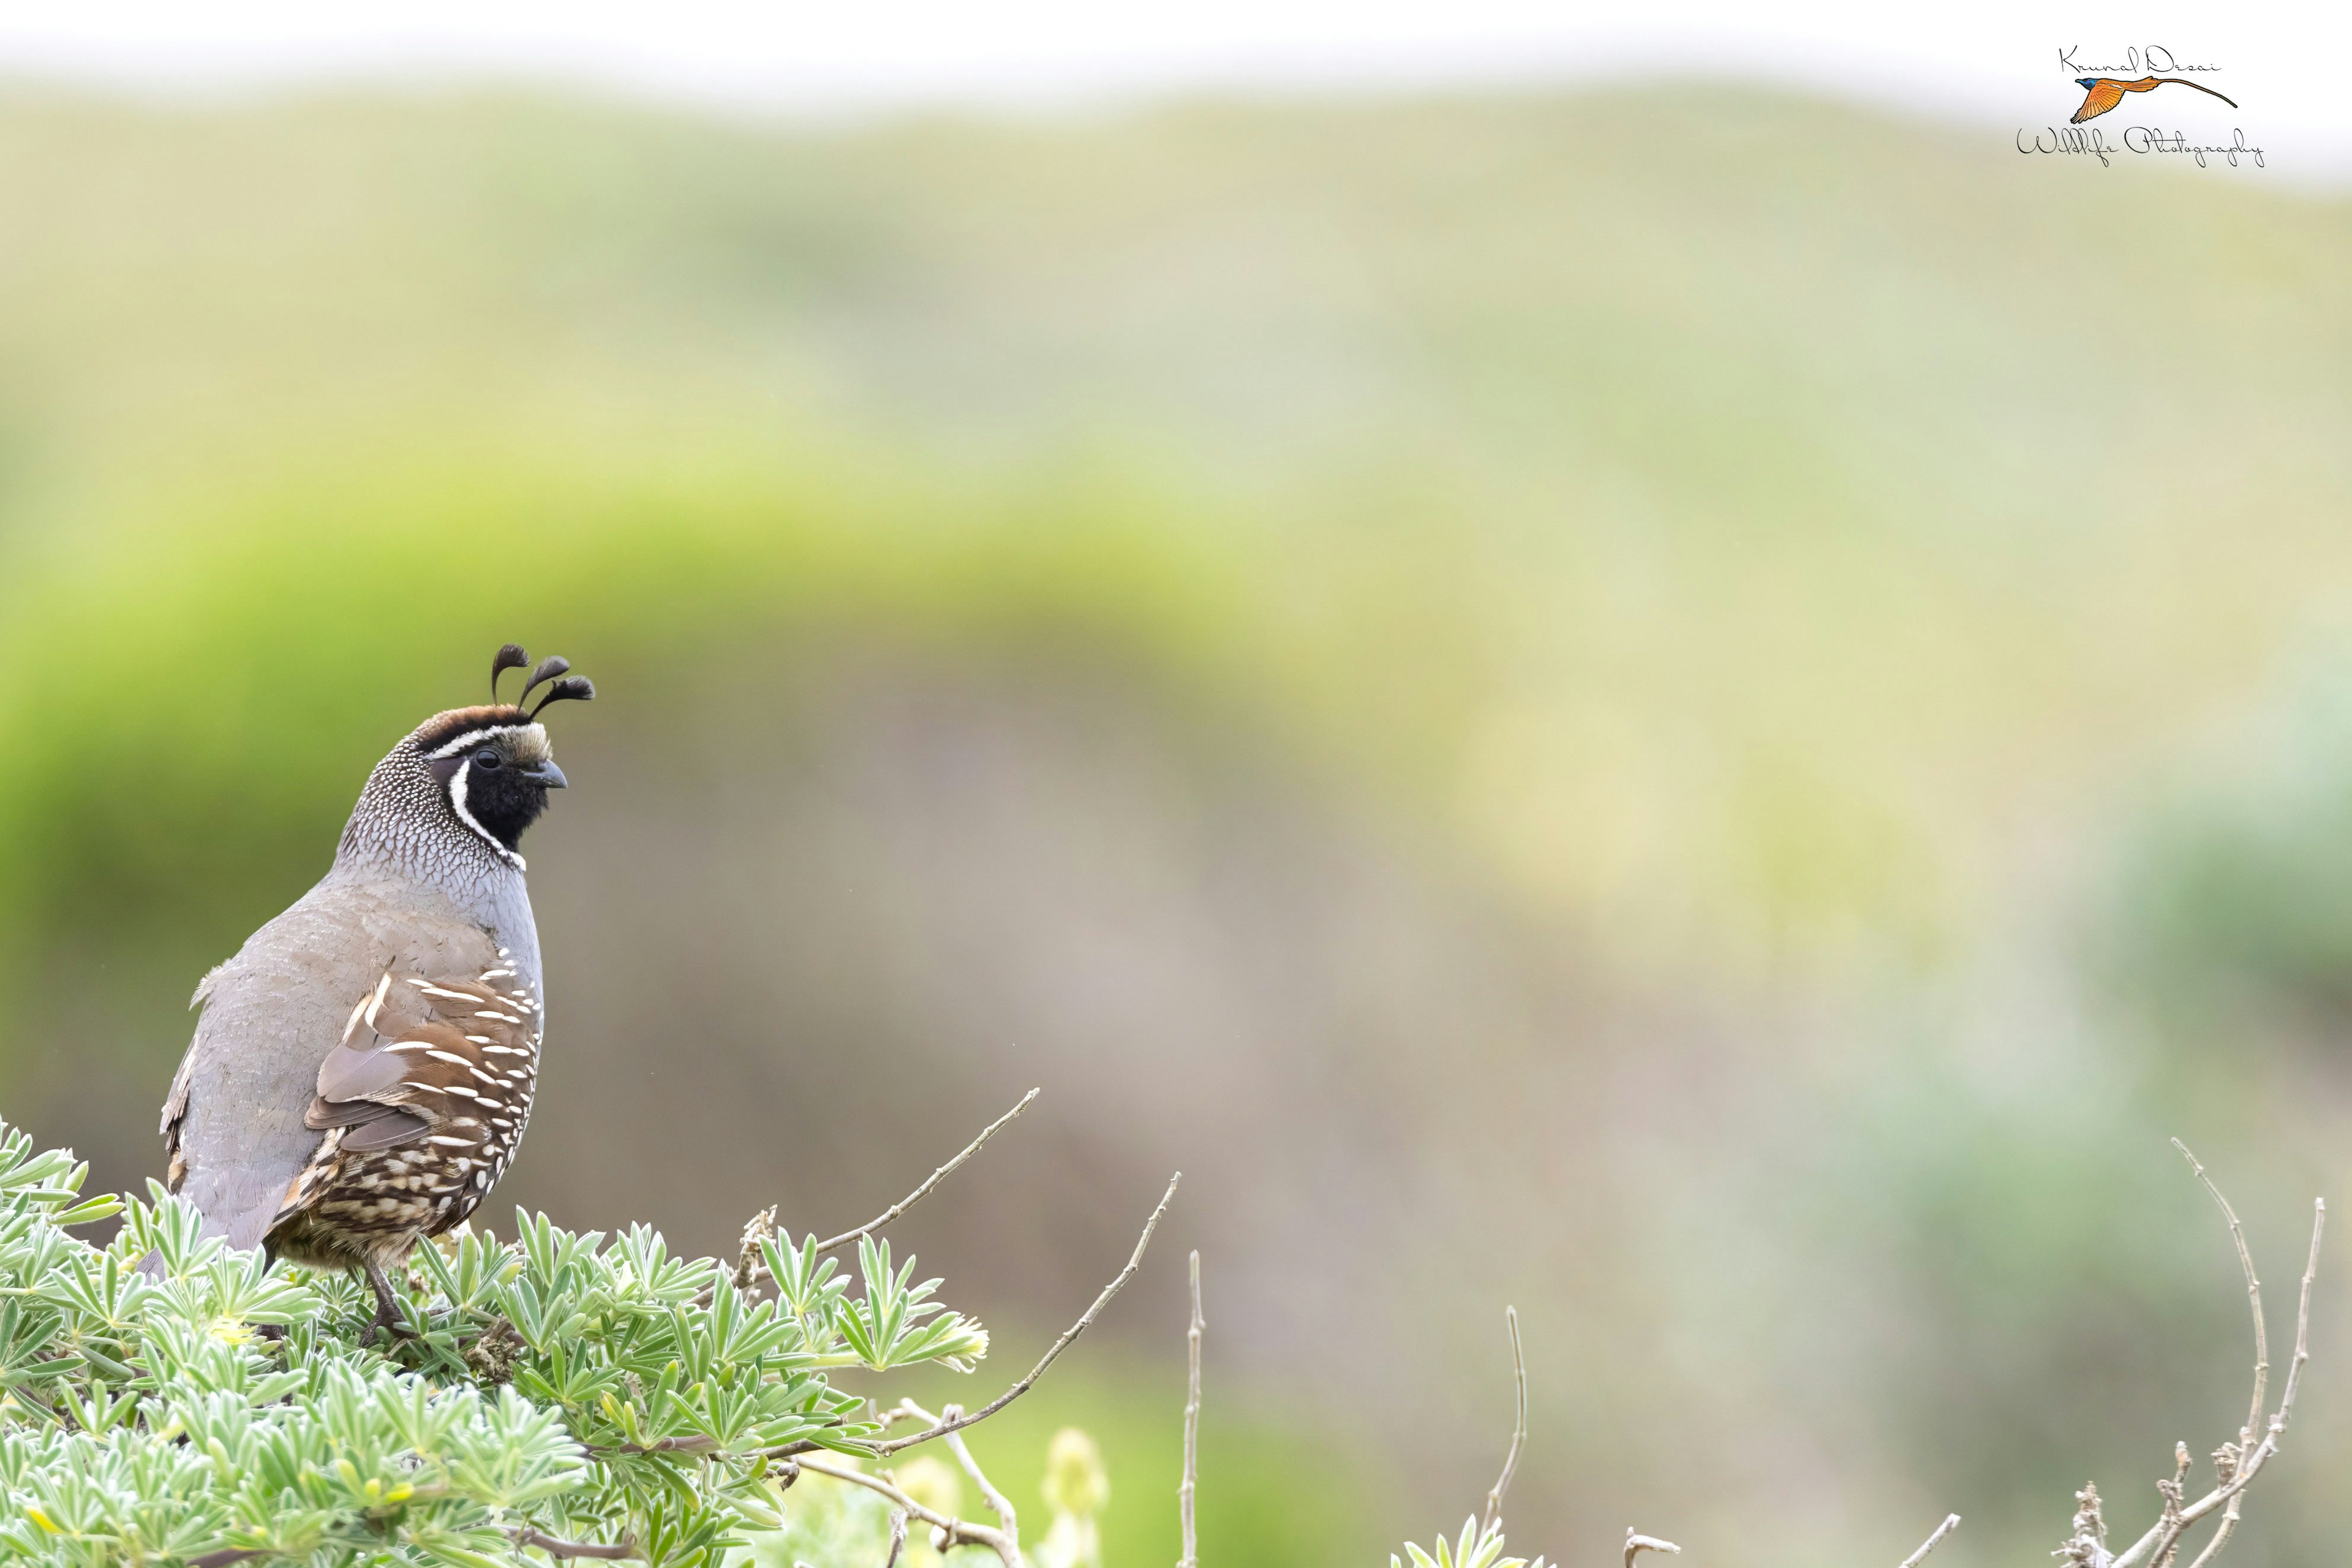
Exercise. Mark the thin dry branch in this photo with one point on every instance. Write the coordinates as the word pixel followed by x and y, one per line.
pixel 2088 1546
pixel 750 1266
pixel 1951 1523
pixel 2237 1464
pixel 2302 1322
pixel 897 1537
pixel 1186 1489
pixel 941 1175
pixel 2253 1300
pixel 2221 1533
pixel 904 1410
pixel 760 1227
pixel 1636 1544
pixel 997 1504
pixel 1518 1426
pixel 953 1532
pixel 943 1428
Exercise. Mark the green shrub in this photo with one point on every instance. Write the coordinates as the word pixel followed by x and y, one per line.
pixel 212 1408
pixel 167 1400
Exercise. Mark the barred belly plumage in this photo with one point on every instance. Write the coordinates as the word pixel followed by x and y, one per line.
pixel 421 1107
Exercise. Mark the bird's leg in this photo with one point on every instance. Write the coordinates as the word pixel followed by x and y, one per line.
pixel 390 1322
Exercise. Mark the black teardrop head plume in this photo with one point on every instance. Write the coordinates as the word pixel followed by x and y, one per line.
pixel 510 657
pixel 551 667
pixel 570 688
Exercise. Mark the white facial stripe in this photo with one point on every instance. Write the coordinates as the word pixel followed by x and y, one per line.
pixel 470 736
pixel 457 801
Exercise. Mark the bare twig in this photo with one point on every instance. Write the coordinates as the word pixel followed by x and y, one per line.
pixel 2087 1547
pixel 1186 1489
pixel 1006 1519
pixel 761 1227
pixel 1951 1523
pixel 1518 1426
pixel 2174 1492
pixel 2221 1533
pixel 897 1537
pixel 2301 1324
pixel 1635 1544
pixel 942 1428
pixel 750 1266
pixel 941 1175
pixel 524 1535
pixel 2236 1465
pixel 953 1532
pixel 2253 1426
pixel 997 1505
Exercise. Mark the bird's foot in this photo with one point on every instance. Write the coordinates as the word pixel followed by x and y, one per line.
pixel 390 1322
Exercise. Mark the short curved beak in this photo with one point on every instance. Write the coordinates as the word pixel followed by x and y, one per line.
pixel 546 775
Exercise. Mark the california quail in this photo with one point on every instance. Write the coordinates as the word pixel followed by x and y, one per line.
pixel 362 1069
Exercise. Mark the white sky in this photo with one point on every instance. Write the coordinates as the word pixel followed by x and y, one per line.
pixel 1995 63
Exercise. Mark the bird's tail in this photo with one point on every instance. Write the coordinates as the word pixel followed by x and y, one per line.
pixel 2200 87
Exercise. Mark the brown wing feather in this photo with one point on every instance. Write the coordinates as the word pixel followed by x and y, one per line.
pixel 422 1101
pixel 436 1048
pixel 383 1128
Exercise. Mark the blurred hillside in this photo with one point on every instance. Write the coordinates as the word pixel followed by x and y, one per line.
pixel 1689 710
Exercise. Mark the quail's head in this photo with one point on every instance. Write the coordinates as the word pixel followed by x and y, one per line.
pixel 494 762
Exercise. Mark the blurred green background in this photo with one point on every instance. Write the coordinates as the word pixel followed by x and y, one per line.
pixel 1704 712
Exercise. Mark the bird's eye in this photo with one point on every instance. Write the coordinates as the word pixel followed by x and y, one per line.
pixel 487 760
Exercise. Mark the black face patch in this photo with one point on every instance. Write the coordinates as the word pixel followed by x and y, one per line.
pixel 498 780
pixel 499 797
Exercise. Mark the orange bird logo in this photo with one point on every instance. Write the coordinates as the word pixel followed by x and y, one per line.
pixel 2101 93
